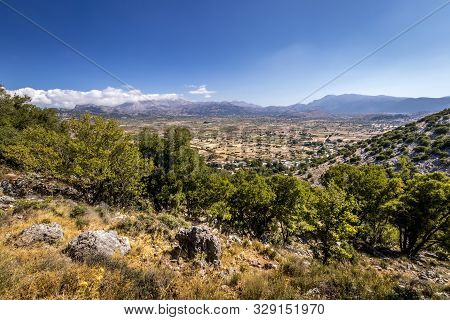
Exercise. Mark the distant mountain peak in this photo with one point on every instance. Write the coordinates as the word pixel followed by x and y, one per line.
pixel 363 104
pixel 336 105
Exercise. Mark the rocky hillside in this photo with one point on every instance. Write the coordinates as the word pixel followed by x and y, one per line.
pixel 52 247
pixel 426 142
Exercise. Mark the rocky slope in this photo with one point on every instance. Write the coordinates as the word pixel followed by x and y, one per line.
pixel 56 248
pixel 426 142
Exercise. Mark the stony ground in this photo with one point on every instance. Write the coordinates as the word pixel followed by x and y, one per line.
pixel 36 230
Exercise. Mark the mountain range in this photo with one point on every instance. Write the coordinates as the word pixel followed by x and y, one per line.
pixel 330 105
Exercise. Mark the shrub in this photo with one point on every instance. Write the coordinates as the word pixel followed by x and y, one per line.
pixel 142 222
pixel 424 140
pixel 443 129
pixel 78 210
pixel 173 221
pixel 332 223
pixel 421 149
pixel 81 222
pixel 92 153
pixel 25 205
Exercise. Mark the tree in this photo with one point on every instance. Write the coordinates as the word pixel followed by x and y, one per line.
pixel 291 203
pixel 177 167
pixel 209 194
pixel 332 223
pixel 92 153
pixel 40 150
pixel 105 162
pixel 151 146
pixel 370 187
pixel 421 212
pixel 250 204
pixel 17 114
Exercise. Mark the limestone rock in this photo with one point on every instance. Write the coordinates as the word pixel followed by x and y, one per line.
pixel 93 244
pixel 49 233
pixel 199 239
pixel 7 200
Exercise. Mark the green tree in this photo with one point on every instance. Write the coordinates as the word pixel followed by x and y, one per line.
pixel 291 204
pixel 421 212
pixel 40 150
pixel 209 194
pixel 105 162
pixel 92 153
pixel 18 114
pixel 332 223
pixel 177 167
pixel 250 204
pixel 151 146
pixel 370 187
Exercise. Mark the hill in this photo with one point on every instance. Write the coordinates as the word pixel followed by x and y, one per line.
pixel 426 142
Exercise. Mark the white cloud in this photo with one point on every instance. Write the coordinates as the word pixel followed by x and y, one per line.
pixel 203 91
pixel 70 98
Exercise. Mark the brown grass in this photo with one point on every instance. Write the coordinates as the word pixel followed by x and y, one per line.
pixel 43 272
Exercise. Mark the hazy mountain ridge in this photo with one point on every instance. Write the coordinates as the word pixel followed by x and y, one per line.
pixel 357 104
pixel 330 105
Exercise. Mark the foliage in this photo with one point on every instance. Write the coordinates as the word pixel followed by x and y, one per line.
pixel 333 223
pixel 18 114
pixel 176 166
pixel 421 212
pixel 92 153
pixel 291 204
pixel 78 210
pixel 104 161
pixel 250 204
pixel 371 188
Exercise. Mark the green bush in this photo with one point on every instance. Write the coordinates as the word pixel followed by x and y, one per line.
pixel 25 205
pixel 78 210
pixel 81 222
pixel 443 129
pixel 173 221
pixel 423 149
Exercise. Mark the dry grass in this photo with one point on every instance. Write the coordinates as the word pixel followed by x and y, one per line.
pixel 43 272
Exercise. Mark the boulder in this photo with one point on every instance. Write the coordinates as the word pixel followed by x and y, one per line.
pixel 97 244
pixel 6 202
pixel 49 233
pixel 199 239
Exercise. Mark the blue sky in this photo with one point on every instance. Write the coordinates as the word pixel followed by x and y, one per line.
pixel 261 51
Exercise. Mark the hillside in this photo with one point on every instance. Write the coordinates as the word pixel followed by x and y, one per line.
pixel 37 268
pixel 426 142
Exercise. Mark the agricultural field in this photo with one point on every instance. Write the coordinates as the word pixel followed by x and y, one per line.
pixel 236 140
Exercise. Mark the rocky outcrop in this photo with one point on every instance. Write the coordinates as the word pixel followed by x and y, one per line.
pixel 6 202
pixel 198 239
pixel 97 244
pixel 34 184
pixel 49 233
